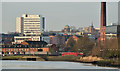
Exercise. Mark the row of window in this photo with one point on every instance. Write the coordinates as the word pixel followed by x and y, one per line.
pixel 31 18
pixel 39 50
pixel 32 33
pixel 38 24
pixel 19 49
pixel 110 36
pixel 32 28
pixel 31 21
pixel 22 38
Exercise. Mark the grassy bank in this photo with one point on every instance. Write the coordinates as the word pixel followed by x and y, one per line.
pixel 20 58
pixel 11 57
pixel 103 62
pixel 43 58
pixel 61 58
pixel 99 62
pixel 108 63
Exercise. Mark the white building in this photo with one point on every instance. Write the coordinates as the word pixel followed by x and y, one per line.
pixel 30 25
pixel 19 39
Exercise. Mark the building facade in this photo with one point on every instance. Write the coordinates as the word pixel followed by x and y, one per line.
pixel 21 50
pixel 20 39
pixel 89 29
pixel 26 47
pixel 30 24
pixel 19 24
pixel 112 31
pixel 57 39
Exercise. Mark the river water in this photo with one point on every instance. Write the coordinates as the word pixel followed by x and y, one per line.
pixel 14 64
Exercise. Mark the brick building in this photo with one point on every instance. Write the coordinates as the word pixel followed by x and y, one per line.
pixel 27 47
pixel 24 50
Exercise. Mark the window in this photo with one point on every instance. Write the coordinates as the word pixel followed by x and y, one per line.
pixel 40 50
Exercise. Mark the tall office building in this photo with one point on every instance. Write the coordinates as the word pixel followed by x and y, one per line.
pixel 30 25
pixel 19 25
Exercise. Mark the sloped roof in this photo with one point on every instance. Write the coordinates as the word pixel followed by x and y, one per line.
pixel 37 42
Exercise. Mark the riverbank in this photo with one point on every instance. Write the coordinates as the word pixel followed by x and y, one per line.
pixel 108 63
pixel 93 60
pixel 11 57
pixel 61 58
pixel 26 58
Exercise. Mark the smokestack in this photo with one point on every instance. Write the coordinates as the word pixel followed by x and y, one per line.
pixel 103 13
pixel 103 21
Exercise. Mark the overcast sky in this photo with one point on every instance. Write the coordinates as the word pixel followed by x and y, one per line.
pixel 58 14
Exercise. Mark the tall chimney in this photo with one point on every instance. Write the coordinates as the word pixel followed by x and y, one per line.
pixel 103 21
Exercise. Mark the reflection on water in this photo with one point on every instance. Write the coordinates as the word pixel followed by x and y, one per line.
pixel 14 64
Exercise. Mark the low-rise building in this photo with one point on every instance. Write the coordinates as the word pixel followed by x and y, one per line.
pixel 8 38
pixel 74 37
pixel 57 39
pixel 26 47
pixel 88 29
pixel 24 50
pixel 20 39
pixel 112 31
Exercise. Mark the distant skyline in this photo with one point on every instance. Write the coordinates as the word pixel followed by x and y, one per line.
pixel 59 14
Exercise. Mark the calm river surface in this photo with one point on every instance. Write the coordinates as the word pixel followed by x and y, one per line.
pixel 14 64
